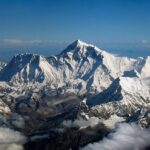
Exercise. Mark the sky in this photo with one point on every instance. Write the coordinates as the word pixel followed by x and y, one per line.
pixel 48 26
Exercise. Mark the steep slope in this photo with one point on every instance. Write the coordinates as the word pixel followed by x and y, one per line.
pixel 124 97
pixel 28 68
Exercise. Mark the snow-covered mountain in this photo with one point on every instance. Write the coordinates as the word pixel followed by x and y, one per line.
pixel 80 54
pixel 92 68
pixel 80 66
pixel 107 85
pixel 124 96
pixel 26 68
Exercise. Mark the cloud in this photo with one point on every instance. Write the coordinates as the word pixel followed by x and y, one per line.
pixel 10 136
pixel 144 41
pixel 12 41
pixel 81 123
pixel 125 137
pixel 30 42
pixel 11 147
pixel 145 44
pixel 24 42
pixel 11 140
pixel 18 121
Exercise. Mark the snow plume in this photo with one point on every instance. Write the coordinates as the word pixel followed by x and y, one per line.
pixel 125 137
pixel 11 140
pixel 81 123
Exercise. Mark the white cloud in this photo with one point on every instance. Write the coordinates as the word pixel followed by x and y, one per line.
pixel 18 121
pixel 11 140
pixel 81 123
pixel 11 147
pixel 125 137
pixel 12 41
pixel 144 41
pixel 30 42
pixel 10 136
pixel 146 44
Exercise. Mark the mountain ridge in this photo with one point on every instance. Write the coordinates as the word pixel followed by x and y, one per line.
pixel 80 64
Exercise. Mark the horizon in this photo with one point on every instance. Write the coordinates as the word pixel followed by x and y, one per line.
pixel 7 55
pixel 47 27
pixel 10 54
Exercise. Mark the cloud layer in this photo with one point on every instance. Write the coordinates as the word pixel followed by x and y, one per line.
pixel 125 137
pixel 20 42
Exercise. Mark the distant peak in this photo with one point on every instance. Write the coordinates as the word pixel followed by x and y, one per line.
pixel 80 43
pixel 24 55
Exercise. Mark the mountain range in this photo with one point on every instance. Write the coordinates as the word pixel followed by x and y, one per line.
pixel 82 65
pixel 82 81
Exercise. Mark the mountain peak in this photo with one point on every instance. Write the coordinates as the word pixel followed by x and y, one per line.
pixel 79 45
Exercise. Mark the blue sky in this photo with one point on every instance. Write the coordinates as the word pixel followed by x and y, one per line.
pixel 118 25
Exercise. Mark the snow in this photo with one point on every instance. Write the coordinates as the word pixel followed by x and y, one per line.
pixel 145 72
pixel 4 108
pixel 135 84
pixel 119 83
pixel 93 67
pixel 28 68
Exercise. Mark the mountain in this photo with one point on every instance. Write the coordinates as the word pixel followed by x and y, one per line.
pixel 80 86
pixel 82 67
pixel 26 68
pixel 116 84
pixel 125 96
pixel 90 69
